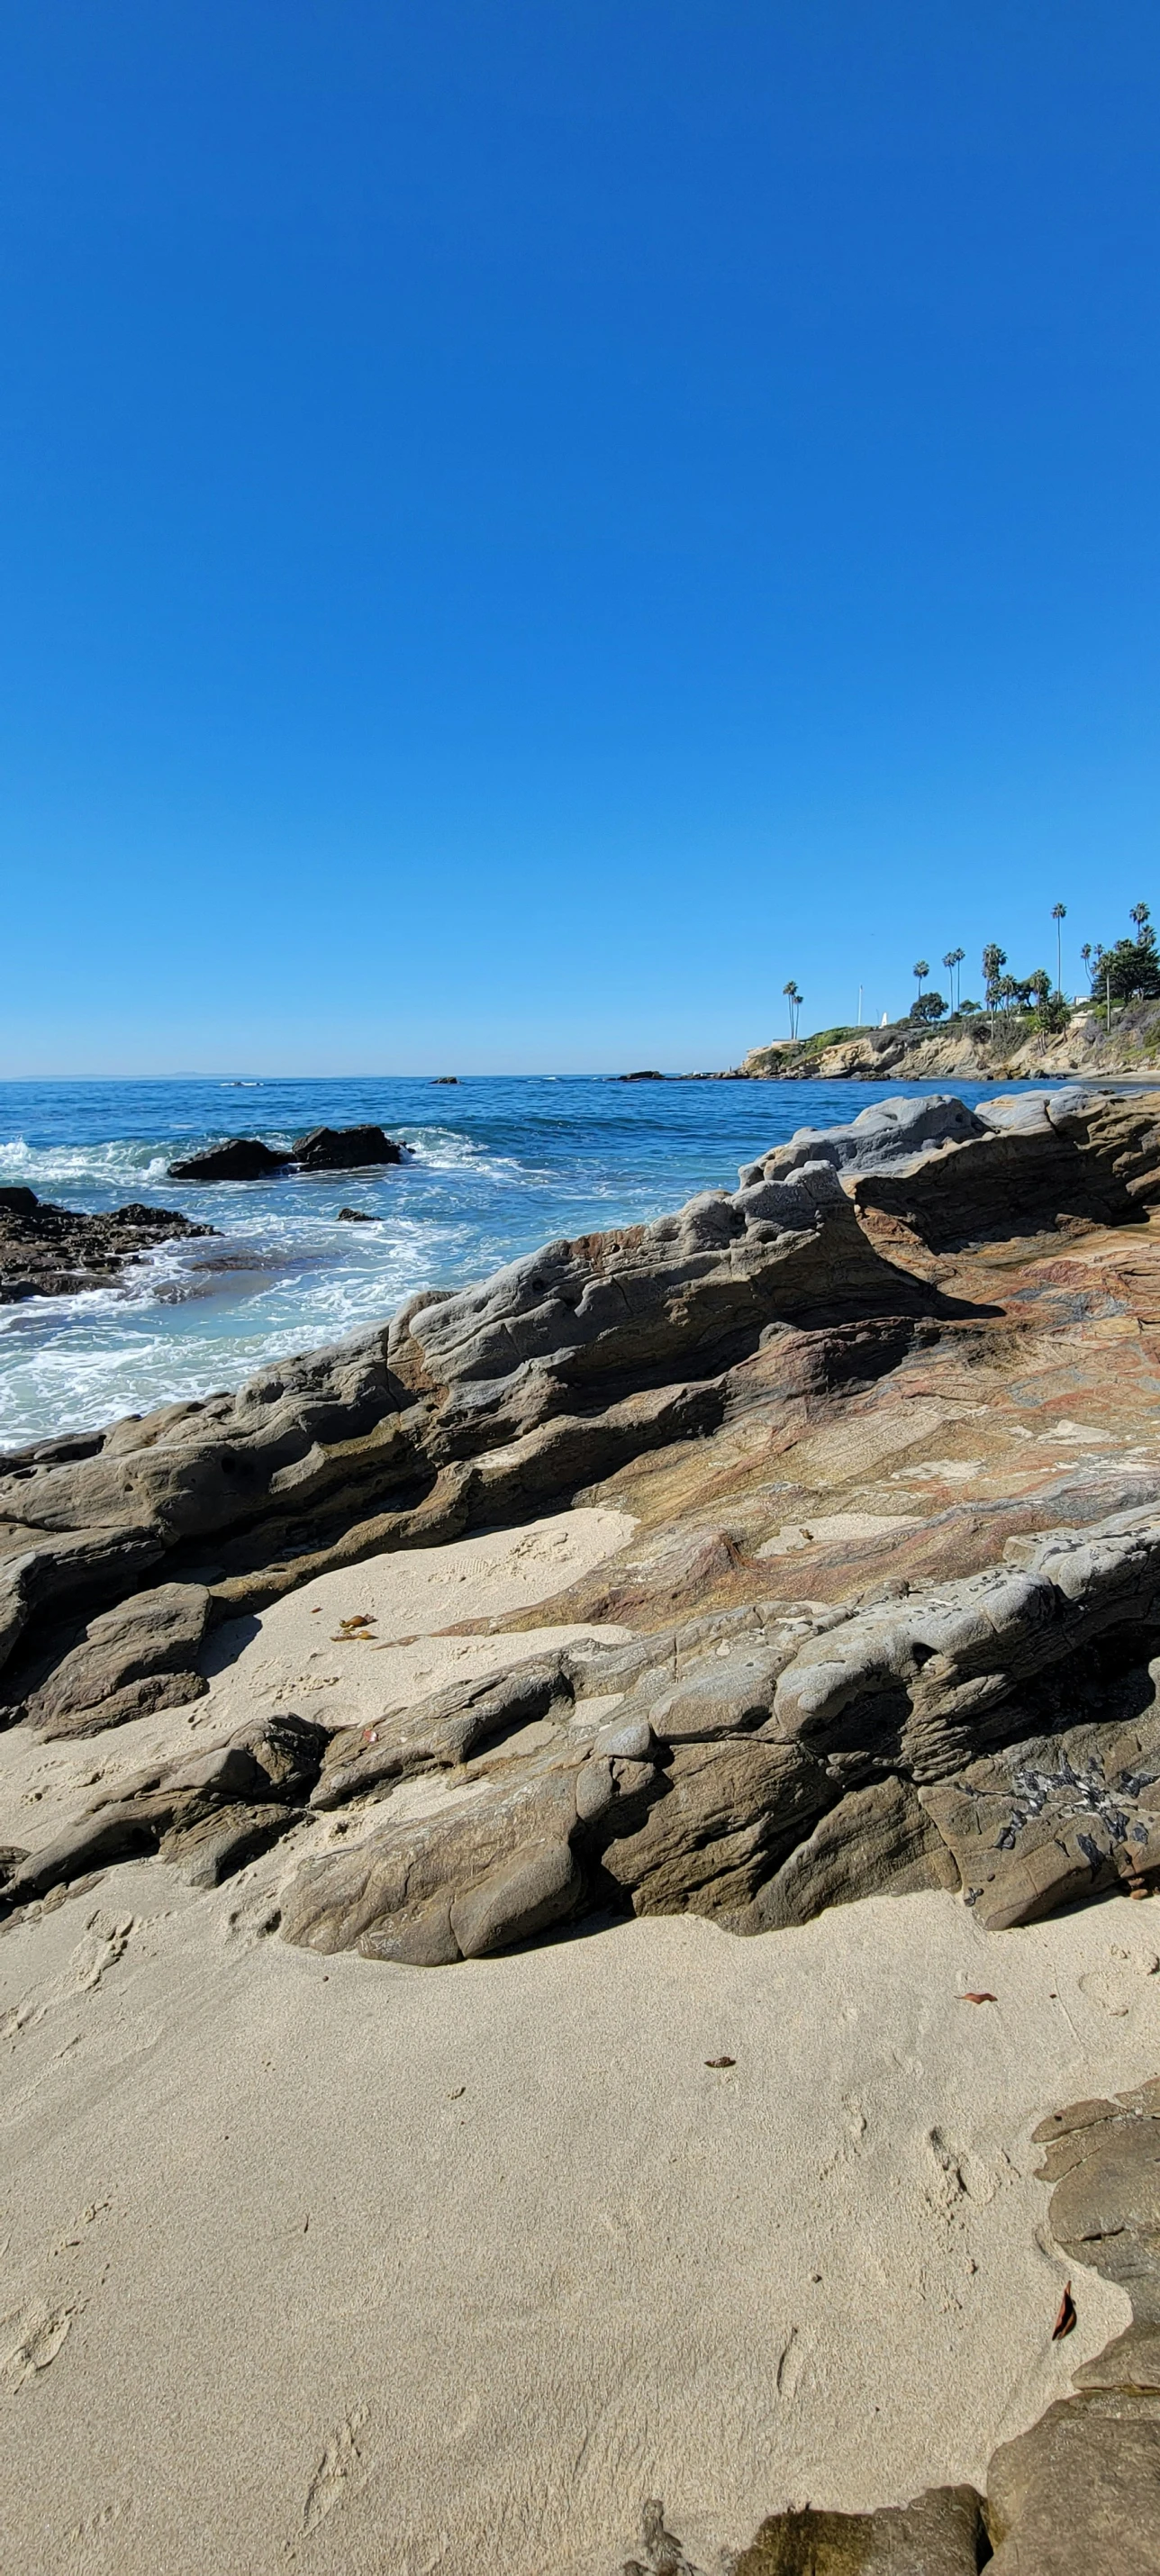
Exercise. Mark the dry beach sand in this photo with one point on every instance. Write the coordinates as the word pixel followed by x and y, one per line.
pixel 317 2263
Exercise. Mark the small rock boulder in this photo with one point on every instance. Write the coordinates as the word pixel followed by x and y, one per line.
pixel 242 1158
pixel 130 1661
pixel 343 1149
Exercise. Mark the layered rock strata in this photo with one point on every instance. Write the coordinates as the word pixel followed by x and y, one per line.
pixel 976 1709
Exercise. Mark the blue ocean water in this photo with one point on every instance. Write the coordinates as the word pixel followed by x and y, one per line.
pixel 498 1166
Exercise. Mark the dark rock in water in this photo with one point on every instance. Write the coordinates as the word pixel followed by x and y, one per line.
pixel 640 1077
pixel 244 1158
pixel 445 1081
pixel 48 1251
pixel 357 1216
pixel 343 1149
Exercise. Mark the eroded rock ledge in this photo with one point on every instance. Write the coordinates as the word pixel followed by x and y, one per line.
pixel 754 1756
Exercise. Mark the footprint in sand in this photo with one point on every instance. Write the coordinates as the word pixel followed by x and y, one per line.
pixel 102 1943
pixel 340 2463
pixel 81 2534
pixel 789 2367
pixel 30 2338
pixel 1116 1984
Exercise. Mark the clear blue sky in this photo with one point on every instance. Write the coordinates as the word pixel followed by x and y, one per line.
pixel 525 524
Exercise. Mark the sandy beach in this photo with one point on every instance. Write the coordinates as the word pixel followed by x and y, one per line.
pixel 356 2267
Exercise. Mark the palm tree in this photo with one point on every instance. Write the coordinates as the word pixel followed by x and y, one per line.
pixel 922 970
pixel 954 957
pixel 1059 916
pixel 795 1000
pixel 993 959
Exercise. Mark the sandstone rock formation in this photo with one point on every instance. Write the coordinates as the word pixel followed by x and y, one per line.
pixel 943 2533
pixel 975 1048
pixel 966 1695
pixel 128 1661
pixel 48 1251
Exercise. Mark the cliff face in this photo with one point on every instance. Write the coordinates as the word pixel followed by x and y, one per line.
pixel 971 1050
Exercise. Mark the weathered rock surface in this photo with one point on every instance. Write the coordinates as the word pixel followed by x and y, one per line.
pixel 343 1149
pixel 267 1765
pixel 48 1251
pixel 889 1133
pixel 966 1693
pixel 1015 1164
pixel 942 2533
pixel 241 1158
pixel 799 1769
pixel 131 1660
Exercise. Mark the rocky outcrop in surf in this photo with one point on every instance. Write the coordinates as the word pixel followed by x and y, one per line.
pixel 49 1251
pixel 240 1158
pixel 325 1149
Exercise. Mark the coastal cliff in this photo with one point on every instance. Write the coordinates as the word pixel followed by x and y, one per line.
pixel 976 1048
